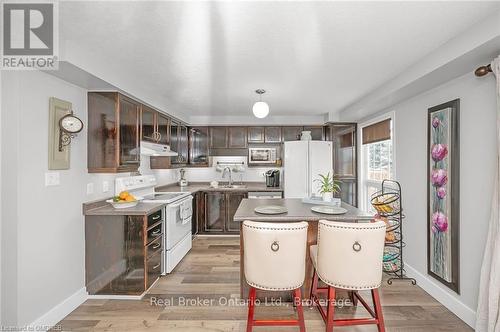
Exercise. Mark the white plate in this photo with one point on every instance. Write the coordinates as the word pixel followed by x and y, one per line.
pixel 328 209
pixel 271 209
pixel 124 205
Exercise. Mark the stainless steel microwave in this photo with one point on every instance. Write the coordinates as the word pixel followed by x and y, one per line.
pixel 262 156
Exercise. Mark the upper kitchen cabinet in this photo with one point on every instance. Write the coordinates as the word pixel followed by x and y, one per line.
pixel 113 133
pixel 198 146
pixel 317 132
pixel 179 143
pixel 272 134
pixel 291 133
pixel 237 137
pixel 155 126
pixel 218 137
pixel 163 128
pixel 255 134
pixel 148 124
pixel 344 138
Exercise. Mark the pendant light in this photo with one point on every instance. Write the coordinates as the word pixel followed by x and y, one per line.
pixel 260 109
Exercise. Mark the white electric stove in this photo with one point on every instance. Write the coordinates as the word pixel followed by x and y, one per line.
pixel 177 216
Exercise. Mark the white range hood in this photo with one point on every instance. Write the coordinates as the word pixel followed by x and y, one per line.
pixel 153 149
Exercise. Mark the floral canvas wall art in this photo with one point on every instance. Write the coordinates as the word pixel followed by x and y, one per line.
pixel 443 193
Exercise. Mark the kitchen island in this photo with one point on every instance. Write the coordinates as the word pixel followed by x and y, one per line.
pixel 297 211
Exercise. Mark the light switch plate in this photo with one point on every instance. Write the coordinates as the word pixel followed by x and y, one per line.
pixel 52 179
pixel 105 186
pixel 90 188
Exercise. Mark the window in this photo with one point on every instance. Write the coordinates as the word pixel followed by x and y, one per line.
pixel 377 156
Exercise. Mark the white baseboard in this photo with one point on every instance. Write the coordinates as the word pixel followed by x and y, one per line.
pixel 443 296
pixel 56 314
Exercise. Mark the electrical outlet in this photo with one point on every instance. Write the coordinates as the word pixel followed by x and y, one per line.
pixel 90 188
pixel 52 179
pixel 105 186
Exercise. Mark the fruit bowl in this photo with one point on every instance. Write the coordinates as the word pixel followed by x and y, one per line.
pixel 124 204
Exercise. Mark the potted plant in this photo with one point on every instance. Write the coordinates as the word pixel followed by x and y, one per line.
pixel 328 186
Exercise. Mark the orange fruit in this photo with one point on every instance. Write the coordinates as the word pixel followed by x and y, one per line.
pixel 123 194
pixel 130 199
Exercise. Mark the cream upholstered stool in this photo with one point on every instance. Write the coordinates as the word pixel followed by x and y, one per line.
pixel 348 256
pixel 274 258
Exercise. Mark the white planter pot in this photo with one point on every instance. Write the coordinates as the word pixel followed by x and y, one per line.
pixel 327 197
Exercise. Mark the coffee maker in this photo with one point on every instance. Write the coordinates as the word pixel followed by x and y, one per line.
pixel 273 178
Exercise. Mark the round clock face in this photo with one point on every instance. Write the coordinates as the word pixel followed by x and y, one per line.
pixel 71 124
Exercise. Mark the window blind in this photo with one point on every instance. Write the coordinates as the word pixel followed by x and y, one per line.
pixel 377 132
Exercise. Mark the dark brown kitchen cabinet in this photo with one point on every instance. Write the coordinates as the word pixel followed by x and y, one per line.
pixel 272 134
pixel 291 133
pixel 317 132
pixel 148 124
pixel 237 137
pixel 179 142
pixel 255 134
pixel 219 210
pixel 122 253
pixel 215 212
pixel 198 146
pixel 345 166
pixel 183 145
pixel 233 201
pixel 113 133
pixel 163 129
pixel 218 137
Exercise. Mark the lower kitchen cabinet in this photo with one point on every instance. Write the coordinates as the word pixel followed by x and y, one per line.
pixel 123 254
pixel 219 209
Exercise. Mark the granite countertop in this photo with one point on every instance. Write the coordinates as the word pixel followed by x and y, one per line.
pixel 101 208
pixel 297 211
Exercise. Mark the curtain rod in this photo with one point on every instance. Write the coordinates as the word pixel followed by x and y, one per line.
pixel 483 70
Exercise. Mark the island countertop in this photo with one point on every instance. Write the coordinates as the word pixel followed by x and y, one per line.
pixel 297 211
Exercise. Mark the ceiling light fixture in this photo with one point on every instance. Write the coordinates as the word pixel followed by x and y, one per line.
pixel 260 109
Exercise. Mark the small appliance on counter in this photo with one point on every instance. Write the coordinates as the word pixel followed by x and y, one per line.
pixel 182 181
pixel 273 178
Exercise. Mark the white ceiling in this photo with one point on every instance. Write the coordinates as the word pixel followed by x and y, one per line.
pixel 207 58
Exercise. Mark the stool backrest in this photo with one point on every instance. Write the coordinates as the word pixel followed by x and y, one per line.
pixel 274 254
pixel 350 254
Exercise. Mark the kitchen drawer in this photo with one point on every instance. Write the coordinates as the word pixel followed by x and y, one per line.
pixel 153 247
pixel 153 268
pixel 154 217
pixel 154 232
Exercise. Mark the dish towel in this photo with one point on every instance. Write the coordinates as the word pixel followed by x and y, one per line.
pixel 488 311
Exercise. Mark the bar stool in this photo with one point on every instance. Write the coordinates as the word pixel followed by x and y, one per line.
pixel 348 256
pixel 274 259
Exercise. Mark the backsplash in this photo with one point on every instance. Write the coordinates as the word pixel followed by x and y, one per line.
pixel 207 174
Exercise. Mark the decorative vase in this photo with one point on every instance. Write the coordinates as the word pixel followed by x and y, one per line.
pixel 327 197
pixel 306 136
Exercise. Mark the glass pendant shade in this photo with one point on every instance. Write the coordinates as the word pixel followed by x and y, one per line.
pixel 260 109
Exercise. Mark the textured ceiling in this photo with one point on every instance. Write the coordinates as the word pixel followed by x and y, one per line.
pixel 207 58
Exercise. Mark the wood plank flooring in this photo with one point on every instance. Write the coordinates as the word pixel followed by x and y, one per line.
pixel 210 273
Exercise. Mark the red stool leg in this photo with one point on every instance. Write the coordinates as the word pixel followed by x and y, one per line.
pixel 330 309
pixel 297 296
pixel 378 310
pixel 314 287
pixel 251 308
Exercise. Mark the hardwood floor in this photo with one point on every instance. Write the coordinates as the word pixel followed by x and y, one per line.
pixel 210 273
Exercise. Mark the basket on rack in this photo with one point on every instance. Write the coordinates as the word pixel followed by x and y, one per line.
pixel 386 203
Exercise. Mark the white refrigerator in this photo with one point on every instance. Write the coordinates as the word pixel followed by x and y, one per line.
pixel 304 160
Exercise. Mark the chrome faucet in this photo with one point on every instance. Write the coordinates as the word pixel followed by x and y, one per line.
pixel 227 168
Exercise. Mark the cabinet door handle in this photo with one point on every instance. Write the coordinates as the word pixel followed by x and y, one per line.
pixel 156 246
pixel 156 266
pixel 157 217
pixel 156 232
pixel 159 136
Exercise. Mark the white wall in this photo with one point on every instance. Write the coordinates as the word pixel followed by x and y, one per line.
pixel 477 166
